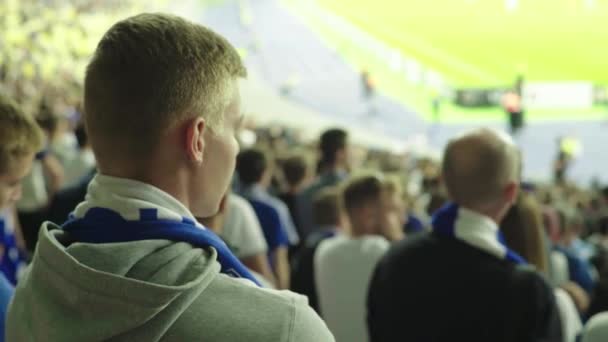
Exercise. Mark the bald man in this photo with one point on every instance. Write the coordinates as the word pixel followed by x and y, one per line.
pixel 460 282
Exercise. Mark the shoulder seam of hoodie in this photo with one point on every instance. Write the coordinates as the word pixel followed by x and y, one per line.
pixel 294 317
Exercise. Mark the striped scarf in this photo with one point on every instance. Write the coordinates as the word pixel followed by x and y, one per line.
pixel 121 210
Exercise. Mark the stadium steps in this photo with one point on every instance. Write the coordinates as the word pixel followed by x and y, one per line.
pixel 328 85
pixel 324 81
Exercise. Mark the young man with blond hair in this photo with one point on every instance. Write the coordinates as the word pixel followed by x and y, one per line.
pixel 343 264
pixel 162 108
pixel 329 219
pixel 20 139
pixel 461 283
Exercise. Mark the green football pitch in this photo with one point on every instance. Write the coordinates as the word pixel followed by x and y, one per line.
pixel 483 43
pixel 472 43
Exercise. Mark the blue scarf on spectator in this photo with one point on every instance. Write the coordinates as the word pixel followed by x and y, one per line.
pixel 474 229
pixel 13 260
pixel 122 210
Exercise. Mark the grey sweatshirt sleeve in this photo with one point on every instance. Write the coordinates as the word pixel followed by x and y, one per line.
pixel 308 326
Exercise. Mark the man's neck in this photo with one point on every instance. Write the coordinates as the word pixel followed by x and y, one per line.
pixel 175 185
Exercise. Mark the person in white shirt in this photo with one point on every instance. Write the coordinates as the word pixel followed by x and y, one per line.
pixel 344 264
pixel 242 232
pixel 217 223
pixel 596 329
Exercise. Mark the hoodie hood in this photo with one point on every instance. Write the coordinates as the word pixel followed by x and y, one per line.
pixel 146 285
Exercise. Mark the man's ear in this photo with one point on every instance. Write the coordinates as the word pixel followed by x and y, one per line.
pixel 195 141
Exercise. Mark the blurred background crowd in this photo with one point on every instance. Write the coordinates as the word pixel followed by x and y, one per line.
pixel 558 224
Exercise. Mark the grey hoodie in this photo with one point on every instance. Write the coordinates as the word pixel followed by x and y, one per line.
pixel 151 290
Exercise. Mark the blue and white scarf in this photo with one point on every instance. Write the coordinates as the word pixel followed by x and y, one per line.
pixel 474 229
pixel 13 260
pixel 122 210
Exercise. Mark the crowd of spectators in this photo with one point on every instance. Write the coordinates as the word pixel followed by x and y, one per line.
pixel 384 246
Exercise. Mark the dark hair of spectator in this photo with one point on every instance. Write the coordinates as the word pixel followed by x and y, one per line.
pixel 327 207
pixel 523 230
pixel 332 141
pixel 295 168
pixel 361 191
pixel 251 165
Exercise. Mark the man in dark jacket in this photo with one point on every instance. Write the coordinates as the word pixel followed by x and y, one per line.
pixel 460 283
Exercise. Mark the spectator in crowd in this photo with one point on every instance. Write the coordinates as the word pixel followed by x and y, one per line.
pixel 332 168
pixel 242 232
pixel 162 109
pixel 217 223
pixel 559 273
pixel 329 220
pixel 513 106
pixel 470 287
pixel 551 223
pixel 437 200
pixel 298 173
pixel 573 238
pixel 367 84
pixel 413 223
pixel 599 300
pixel 60 141
pixel 20 139
pixel 255 175
pixel 562 163
pixel 579 270
pixel 83 162
pixel 39 186
pixel 255 170
pixel 524 233
pixel 82 170
pixel 344 264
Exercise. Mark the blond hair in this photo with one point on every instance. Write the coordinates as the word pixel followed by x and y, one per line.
pixel 150 73
pixel 524 231
pixel 20 136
